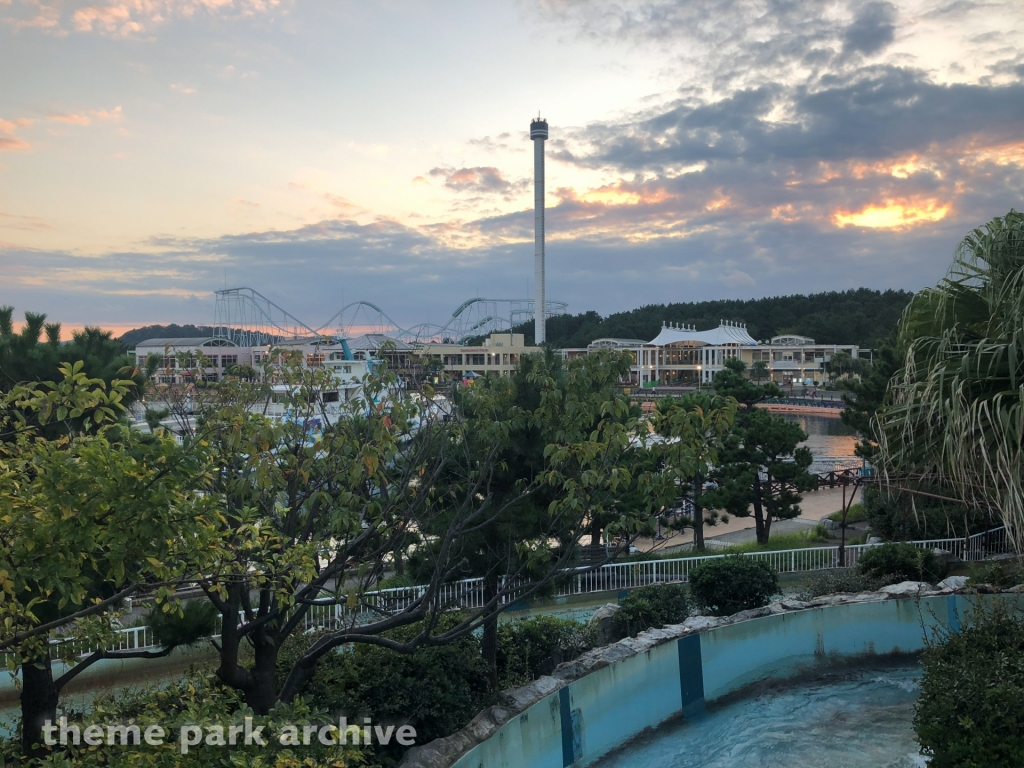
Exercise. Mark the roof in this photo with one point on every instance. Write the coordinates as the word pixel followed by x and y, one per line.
pixel 185 341
pixel 611 343
pixel 374 341
pixel 726 333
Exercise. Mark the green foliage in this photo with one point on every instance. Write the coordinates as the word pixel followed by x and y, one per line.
pixel 696 425
pixel 437 689
pixel 855 514
pixel 763 469
pixel 651 607
pixel 899 516
pixel 860 316
pixel 839 580
pixel 732 584
pixel 971 710
pixel 531 647
pixel 955 410
pixel 129 339
pixel 173 627
pixel 900 560
pixel 196 699
pixel 997 573
pixel 28 357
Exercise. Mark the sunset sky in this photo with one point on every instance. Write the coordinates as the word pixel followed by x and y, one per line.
pixel 152 151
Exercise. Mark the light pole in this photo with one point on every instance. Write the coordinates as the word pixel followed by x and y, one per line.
pixel 698 378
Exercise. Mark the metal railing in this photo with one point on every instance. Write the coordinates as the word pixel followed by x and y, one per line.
pixel 469 593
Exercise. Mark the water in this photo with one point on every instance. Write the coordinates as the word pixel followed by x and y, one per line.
pixel 848 720
pixel 826 435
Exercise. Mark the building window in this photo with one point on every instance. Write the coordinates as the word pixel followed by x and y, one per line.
pixel 227 361
pixel 453 359
pixel 476 359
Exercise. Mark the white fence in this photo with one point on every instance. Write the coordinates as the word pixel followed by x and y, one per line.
pixel 469 593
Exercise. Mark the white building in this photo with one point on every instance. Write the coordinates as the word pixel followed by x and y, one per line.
pixel 681 355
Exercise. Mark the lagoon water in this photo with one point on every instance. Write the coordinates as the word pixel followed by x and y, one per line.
pixel 826 435
pixel 842 720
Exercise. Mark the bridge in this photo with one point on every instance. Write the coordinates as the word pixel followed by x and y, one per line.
pixel 251 319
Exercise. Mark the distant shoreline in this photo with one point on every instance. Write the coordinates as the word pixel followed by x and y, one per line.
pixel 807 410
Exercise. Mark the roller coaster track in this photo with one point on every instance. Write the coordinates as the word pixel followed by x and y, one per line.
pixel 250 318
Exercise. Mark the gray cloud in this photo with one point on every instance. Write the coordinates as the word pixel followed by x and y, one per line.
pixel 872 30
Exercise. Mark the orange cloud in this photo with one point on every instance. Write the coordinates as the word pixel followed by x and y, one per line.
pixel 893 214
pixel 113 115
pixel 8 140
pixel 129 17
pixel 70 119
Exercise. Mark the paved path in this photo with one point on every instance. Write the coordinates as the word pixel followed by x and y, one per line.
pixel 815 506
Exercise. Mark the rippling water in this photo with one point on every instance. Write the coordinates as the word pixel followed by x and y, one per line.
pixel 851 720
pixel 826 435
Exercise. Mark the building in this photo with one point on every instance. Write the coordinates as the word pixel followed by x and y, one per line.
pixel 680 355
pixel 180 358
pixel 497 356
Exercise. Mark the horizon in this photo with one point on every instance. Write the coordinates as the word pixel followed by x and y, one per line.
pixel 320 154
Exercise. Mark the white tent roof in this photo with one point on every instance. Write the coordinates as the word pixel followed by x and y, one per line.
pixel 726 333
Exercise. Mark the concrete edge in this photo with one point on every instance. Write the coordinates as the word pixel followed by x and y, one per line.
pixel 446 751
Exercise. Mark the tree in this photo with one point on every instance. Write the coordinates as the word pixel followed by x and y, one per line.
pixel 955 411
pixel 312 509
pixel 865 397
pixel 762 471
pixel 695 426
pixel 86 519
pixel 547 404
pixel 25 356
pixel 841 361
pixel 730 382
pixel 759 370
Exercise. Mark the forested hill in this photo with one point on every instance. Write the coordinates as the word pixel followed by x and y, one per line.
pixel 860 316
pixel 172 331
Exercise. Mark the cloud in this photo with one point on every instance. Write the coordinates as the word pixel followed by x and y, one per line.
pixel 126 18
pixel 872 30
pixel 482 180
pixel 182 89
pixel 9 140
pixel 70 119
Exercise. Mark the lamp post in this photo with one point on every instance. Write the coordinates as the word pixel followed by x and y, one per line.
pixel 698 378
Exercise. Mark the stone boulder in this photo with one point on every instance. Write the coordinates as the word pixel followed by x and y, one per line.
pixel 907 589
pixel 603 623
pixel 953 582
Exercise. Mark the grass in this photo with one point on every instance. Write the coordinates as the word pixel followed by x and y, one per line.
pixel 856 514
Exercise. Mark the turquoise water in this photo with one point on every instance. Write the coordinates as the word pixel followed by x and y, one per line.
pixel 848 720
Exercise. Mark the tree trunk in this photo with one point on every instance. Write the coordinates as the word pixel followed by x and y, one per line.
pixel 762 525
pixel 489 641
pixel 698 514
pixel 261 692
pixel 595 530
pixel 38 702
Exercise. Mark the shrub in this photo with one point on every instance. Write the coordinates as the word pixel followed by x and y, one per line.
pixel 898 559
pixel 855 514
pixel 197 698
pixel 998 574
pixel 734 583
pixel 529 648
pixel 840 580
pixel 196 621
pixel 436 689
pixel 971 710
pixel 651 606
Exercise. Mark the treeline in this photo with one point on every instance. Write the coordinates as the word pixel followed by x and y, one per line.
pixel 859 316
pixel 172 331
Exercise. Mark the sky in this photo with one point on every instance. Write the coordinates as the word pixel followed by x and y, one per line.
pixel 154 151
